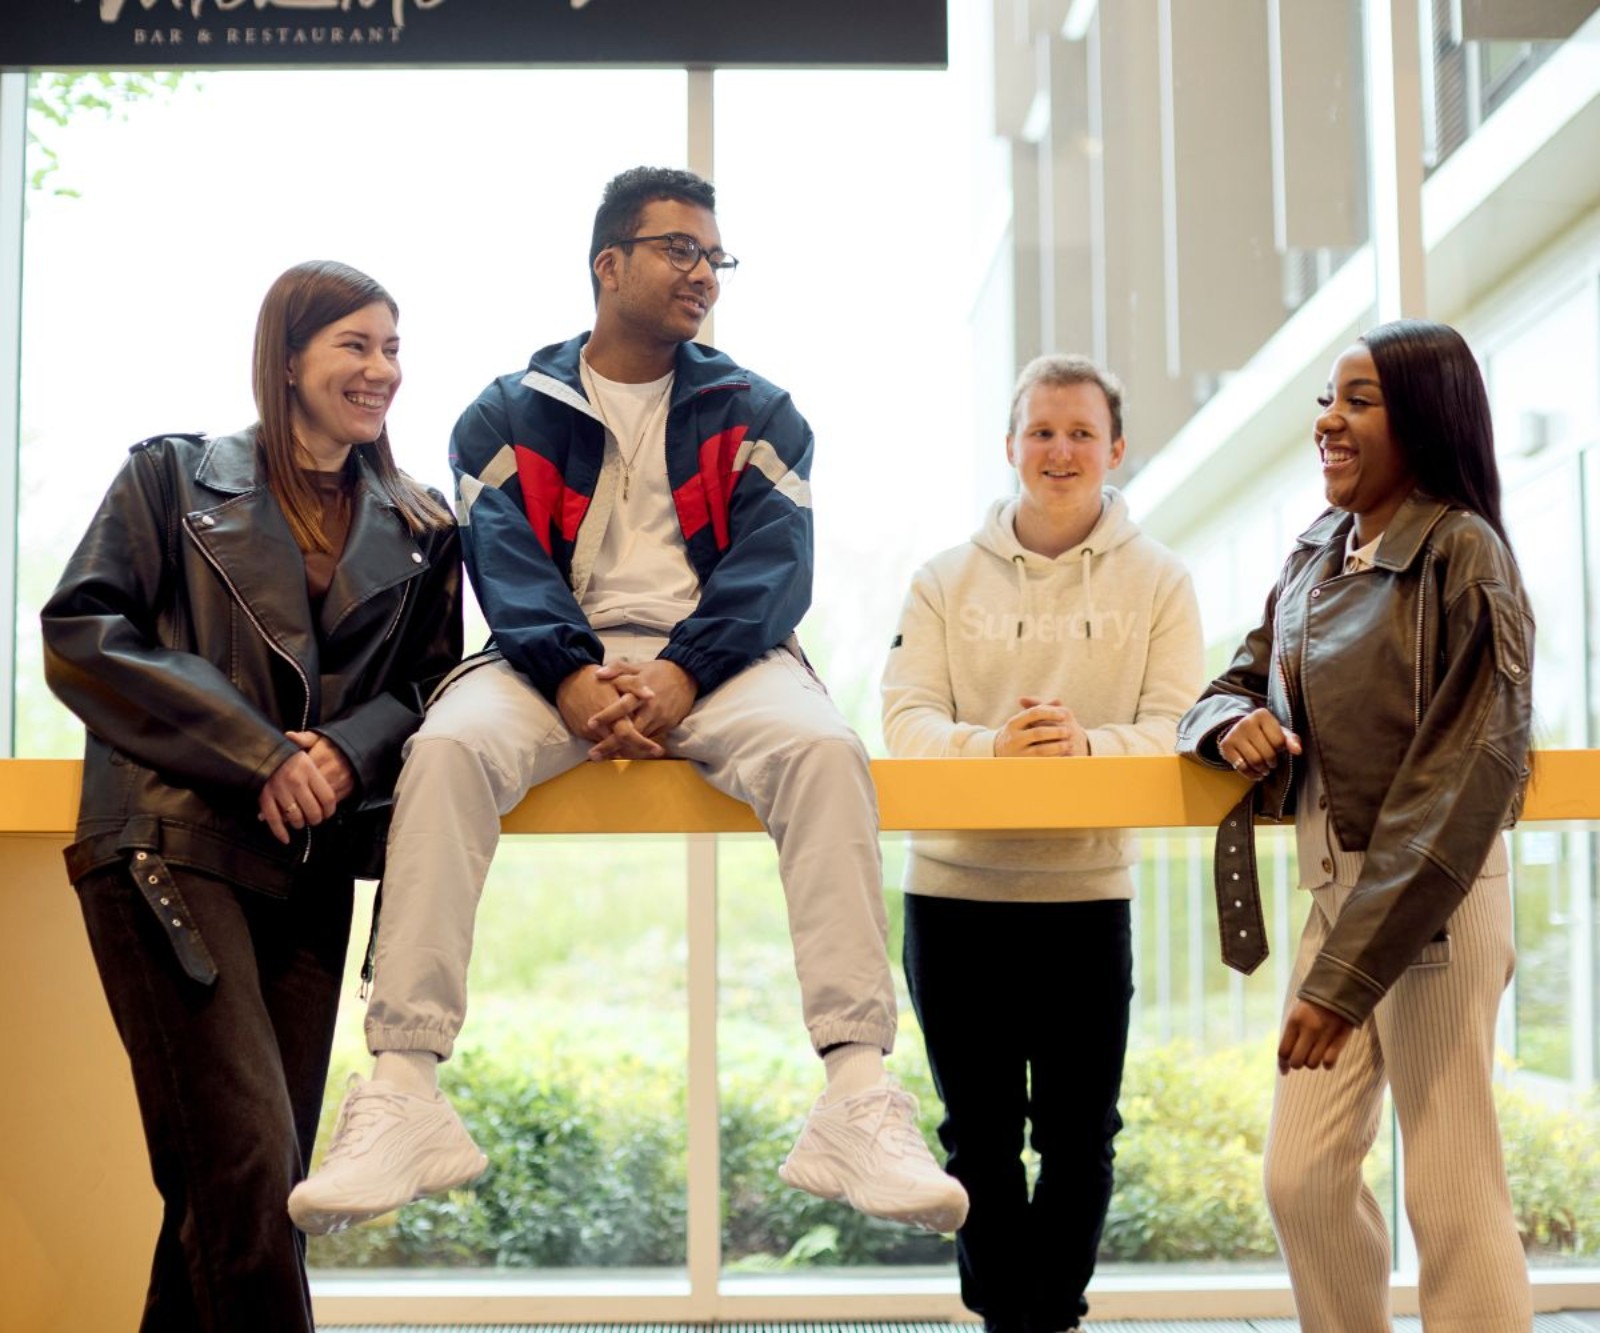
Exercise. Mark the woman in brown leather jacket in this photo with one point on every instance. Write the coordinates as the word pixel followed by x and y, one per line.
pixel 249 630
pixel 1385 699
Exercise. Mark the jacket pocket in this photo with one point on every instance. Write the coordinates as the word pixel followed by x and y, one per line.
pixel 1512 626
pixel 1436 953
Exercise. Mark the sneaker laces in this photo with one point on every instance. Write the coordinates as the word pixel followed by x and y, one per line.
pixel 903 1132
pixel 363 1104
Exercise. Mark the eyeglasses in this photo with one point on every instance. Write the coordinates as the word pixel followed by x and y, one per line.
pixel 684 253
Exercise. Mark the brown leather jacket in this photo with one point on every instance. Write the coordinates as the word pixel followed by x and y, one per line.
pixel 1413 681
pixel 182 634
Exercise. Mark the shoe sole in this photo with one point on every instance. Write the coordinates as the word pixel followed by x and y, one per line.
pixel 943 1219
pixel 315 1221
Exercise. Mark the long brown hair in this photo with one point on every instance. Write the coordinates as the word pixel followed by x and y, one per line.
pixel 300 303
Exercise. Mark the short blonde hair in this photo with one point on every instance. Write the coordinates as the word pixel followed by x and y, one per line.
pixel 1058 370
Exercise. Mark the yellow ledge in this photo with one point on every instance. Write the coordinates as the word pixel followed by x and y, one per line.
pixel 40 796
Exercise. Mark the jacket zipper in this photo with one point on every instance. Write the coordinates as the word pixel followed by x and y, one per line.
pixel 250 615
pixel 394 621
pixel 1288 786
pixel 1288 695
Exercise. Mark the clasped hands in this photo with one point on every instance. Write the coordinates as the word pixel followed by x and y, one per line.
pixel 1043 728
pixel 307 787
pixel 626 707
pixel 1312 1035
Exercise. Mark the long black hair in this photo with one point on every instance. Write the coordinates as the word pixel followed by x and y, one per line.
pixel 1439 413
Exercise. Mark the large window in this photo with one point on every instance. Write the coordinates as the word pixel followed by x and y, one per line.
pixel 905 240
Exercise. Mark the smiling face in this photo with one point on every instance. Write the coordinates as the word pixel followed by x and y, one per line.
pixel 1062 448
pixel 342 382
pixel 642 296
pixel 1364 470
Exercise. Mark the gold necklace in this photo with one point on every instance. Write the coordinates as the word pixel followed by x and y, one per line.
pixel 587 375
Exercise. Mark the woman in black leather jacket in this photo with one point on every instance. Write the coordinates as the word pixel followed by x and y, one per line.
pixel 249 630
pixel 1385 699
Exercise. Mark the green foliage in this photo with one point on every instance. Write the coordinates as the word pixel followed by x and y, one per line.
pixel 54 99
pixel 1553 1161
pixel 587 1168
pixel 579 1173
pixel 1188 1169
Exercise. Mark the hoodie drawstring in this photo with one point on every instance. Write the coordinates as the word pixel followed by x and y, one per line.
pixel 1086 565
pixel 1088 597
pixel 1022 599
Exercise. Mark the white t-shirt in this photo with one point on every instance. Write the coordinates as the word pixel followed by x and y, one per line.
pixel 642 575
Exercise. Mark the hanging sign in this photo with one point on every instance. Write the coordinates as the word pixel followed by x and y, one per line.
pixel 210 34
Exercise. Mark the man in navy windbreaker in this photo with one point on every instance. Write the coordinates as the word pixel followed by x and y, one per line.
pixel 635 512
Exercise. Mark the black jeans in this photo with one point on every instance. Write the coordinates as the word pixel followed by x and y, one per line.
pixel 1024 1009
pixel 230 1080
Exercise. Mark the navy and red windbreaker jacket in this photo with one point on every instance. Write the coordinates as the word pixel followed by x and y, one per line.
pixel 528 457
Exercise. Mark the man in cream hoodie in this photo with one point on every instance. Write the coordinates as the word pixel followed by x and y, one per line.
pixel 1059 631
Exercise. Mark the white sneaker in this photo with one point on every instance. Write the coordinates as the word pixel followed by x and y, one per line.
pixel 389 1147
pixel 868 1151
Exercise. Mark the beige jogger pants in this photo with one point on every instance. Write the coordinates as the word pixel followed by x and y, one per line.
pixel 770 736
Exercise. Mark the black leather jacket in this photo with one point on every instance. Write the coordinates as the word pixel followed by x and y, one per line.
pixel 181 634
pixel 1414 683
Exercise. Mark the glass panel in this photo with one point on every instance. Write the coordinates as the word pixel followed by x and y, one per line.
pixel 1543 517
pixel 769 1077
pixel 1544 407
pixel 569 1074
pixel 857 305
pixel 1591 489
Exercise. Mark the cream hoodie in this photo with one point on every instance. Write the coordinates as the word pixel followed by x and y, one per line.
pixel 1111 628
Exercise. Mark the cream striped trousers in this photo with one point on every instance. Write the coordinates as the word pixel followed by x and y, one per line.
pixel 1431 1040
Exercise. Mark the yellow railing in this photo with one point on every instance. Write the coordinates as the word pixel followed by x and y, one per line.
pixel 668 796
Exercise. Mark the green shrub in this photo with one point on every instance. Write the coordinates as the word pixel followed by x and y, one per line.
pixel 1553 1161
pixel 573 1179
pixel 1188 1168
pixel 587 1169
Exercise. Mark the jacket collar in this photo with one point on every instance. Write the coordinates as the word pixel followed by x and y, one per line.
pixel 696 369
pixel 232 464
pixel 249 536
pixel 1403 539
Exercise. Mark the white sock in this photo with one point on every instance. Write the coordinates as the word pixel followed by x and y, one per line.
pixel 416 1072
pixel 853 1067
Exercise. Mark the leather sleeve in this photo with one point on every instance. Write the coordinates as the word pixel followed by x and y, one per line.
pixel 106 658
pixel 1237 692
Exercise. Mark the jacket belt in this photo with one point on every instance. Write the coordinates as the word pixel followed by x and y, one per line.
pixel 1238 888
pixel 160 890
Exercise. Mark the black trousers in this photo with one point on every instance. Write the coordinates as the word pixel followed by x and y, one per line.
pixel 1024 1009
pixel 230 1080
